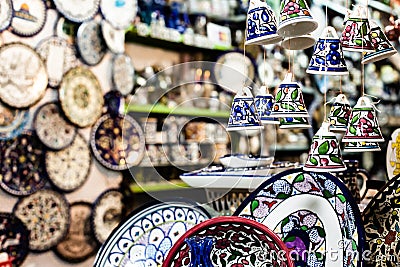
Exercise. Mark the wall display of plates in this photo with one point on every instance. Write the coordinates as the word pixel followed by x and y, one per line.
pixel 77 10
pixel 66 30
pixel 148 233
pixel 14 240
pixel 90 42
pixel 29 17
pixel 59 56
pixel 12 121
pixel 51 127
pixel 23 76
pixel 234 242
pixel 68 169
pixel 123 73
pixel 79 244
pixel 120 13
pixel 393 155
pixel 46 215
pixel 6 13
pixel 23 171
pixel 117 142
pixel 114 38
pixel 107 213
pixel 309 211
pixel 81 96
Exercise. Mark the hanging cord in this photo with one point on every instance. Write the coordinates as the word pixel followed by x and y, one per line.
pixel 244 65
pixel 340 84
pixel 326 68
pixel 362 57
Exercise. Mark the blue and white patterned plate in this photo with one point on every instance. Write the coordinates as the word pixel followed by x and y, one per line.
pixel 147 235
pixel 314 214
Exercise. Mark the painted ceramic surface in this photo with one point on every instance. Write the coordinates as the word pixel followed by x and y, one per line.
pixel 310 212
pixel 29 17
pixel 243 113
pixel 356 34
pixel 339 116
pixel 382 226
pixel 289 101
pixel 294 123
pixel 393 155
pixel 123 73
pixel 90 42
pixel 383 48
pixel 264 104
pixel 6 12
pixel 120 13
pixel 14 238
pixel 12 121
pixel 293 9
pixel 147 235
pixel 77 11
pixel 361 146
pixel 238 242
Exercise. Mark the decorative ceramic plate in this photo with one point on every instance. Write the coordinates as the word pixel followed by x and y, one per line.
pixel 310 212
pixel 107 214
pixel 46 215
pixel 12 121
pixel 77 10
pixel 59 57
pixel 51 127
pixel 234 242
pixel 90 42
pixel 119 13
pixel 68 169
pixel 23 76
pixel 245 161
pixel 232 70
pixel 393 155
pixel 14 239
pixel 66 30
pixel 382 226
pixel 114 38
pixel 117 142
pixel 79 244
pixel 81 96
pixel 22 170
pixel 6 13
pixel 123 73
pixel 147 234
pixel 29 17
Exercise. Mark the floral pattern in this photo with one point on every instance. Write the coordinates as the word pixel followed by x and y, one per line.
pixel 261 22
pixel 356 35
pixel 243 113
pixel 264 104
pixel 327 57
pixel 339 116
pixel 289 101
pixel 294 8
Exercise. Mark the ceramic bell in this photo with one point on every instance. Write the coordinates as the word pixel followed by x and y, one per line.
pixel 339 114
pixel 363 125
pixel 298 42
pixel 261 24
pixel 264 102
pixel 295 19
pixel 289 100
pixel 244 114
pixel 328 58
pixel 356 34
pixel 393 155
pixel 294 123
pixel 383 48
pixel 361 147
pixel 324 155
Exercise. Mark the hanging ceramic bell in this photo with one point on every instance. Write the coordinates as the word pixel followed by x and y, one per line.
pixel 328 58
pixel 261 24
pixel 295 19
pixel 383 48
pixel 298 42
pixel 243 115
pixel 363 125
pixel 324 155
pixel 264 102
pixel 294 123
pixel 361 147
pixel 339 114
pixel 356 34
pixel 289 100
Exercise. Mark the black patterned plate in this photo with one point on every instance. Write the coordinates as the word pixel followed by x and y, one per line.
pixel 46 215
pixel 117 142
pixel 14 240
pixel 29 17
pixel 23 169
pixel 79 244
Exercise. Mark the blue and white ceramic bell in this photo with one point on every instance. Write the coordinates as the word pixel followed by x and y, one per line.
pixel 264 102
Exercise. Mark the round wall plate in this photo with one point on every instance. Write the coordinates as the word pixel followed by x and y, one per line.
pixel 23 76
pixel 51 127
pixel 46 215
pixel 117 142
pixel 6 14
pixel 90 42
pixel 81 96
pixel 68 169
pixel 29 17
pixel 123 73
pixel 120 13
pixel 77 10
pixel 114 38
pixel 23 169
pixel 79 244
pixel 12 121
pixel 59 57
pixel 66 30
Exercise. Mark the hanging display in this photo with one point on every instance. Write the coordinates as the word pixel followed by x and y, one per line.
pixel 393 155
pixel 120 13
pixel 76 10
pixel 29 17
pixel 6 14
pixel 123 73
pixel 339 114
pixel 300 42
pixel 90 42
pixel 114 38
pixel 12 121
pixel 264 102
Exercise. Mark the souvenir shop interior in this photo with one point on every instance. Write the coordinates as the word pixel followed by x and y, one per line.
pixel 227 133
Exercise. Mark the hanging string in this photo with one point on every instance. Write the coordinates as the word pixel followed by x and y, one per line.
pixel 340 84
pixel 244 65
pixel 326 90
pixel 326 68
pixel 362 56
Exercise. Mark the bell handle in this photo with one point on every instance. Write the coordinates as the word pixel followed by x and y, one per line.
pixel 331 30
pixel 245 92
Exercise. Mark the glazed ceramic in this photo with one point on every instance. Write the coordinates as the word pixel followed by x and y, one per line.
pixel 393 155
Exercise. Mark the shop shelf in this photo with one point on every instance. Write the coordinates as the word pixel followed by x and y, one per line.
pixel 158 186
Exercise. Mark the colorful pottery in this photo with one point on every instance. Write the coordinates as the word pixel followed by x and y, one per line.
pixel 298 42
pixel 339 114
pixel 393 155
pixel 294 123
pixel 355 179
pixel 264 102
pixel 361 147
